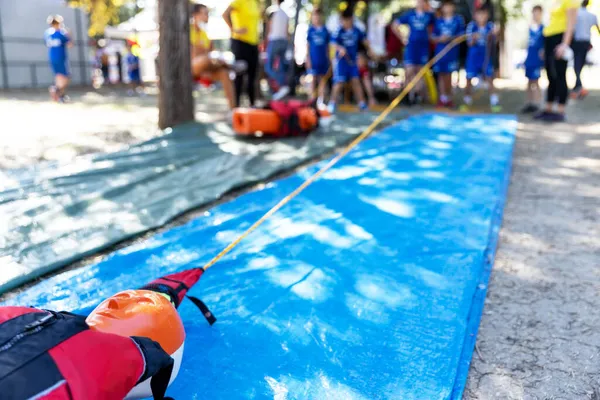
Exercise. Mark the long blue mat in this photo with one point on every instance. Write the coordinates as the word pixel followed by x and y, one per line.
pixel 369 285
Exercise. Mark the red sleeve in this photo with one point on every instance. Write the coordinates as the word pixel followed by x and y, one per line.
pixel 13 312
pixel 112 365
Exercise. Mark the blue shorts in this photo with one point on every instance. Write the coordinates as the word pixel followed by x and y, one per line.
pixel 319 69
pixel 416 53
pixel 60 67
pixel 448 63
pixel 344 72
pixel 475 67
pixel 445 67
pixel 134 76
pixel 533 73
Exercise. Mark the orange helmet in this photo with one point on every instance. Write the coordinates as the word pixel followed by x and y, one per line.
pixel 142 313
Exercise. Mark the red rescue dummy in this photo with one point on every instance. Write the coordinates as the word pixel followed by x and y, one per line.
pixel 130 346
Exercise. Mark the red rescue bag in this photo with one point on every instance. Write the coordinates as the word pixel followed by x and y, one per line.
pixel 297 117
pixel 55 356
pixel 278 119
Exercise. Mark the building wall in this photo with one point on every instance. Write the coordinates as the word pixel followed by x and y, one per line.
pixel 23 53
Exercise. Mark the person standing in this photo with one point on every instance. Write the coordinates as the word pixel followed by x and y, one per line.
pixel 133 70
pixel 103 62
pixel 243 18
pixel 534 61
pixel 345 69
pixel 558 34
pixel 481 33
pixel 57 39
pixel 448 27
pixel 582 44
pixel 278 36
pixel 416 53
pixel 317 60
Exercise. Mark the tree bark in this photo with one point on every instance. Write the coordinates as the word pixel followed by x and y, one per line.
pixel 175 101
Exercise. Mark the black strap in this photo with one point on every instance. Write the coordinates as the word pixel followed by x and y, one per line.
pixel 293 122
pixel 160 382
pixel 204 309
pixel 181 284
pixel 159 366
pixel 172 292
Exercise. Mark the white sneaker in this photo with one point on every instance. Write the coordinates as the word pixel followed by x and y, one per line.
pixel 332 108
pixel 281 93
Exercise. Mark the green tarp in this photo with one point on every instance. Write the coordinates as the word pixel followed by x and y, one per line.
pixel 54 214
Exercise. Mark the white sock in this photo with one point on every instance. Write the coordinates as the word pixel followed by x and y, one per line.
pixel 494 100
pixel 468 100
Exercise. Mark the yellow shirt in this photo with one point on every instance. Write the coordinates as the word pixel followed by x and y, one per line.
pixel 199 37
pixel 246 14
pixel 558 16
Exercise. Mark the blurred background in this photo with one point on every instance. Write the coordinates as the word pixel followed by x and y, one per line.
pixel 100 29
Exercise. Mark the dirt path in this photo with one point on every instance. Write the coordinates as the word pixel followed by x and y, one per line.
pixel 540 332
pixel 95 121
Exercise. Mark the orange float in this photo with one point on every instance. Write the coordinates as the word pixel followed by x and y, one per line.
pixel 140 313
pixel 151 312
pixel 147 314
pixel 249 121
pixel 291 118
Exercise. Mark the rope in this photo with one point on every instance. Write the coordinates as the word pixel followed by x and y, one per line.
pixel 366 133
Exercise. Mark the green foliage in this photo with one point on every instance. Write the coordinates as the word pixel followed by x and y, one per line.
pixel 510 9
pixel 103 13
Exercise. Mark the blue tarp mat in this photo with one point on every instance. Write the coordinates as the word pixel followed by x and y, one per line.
pixel 53 214
pixel 369 285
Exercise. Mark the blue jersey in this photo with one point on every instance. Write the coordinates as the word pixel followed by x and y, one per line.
pixel 133 62
pixel 419 24
pixel 349 39
pixel 56 41
pixel 535 47
pixel 452 28
pixel 318 40
pixel 479 57
pixel 483 31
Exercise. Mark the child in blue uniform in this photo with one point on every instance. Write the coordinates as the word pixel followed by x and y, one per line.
pixel 345 67
pixel 57 39
pixel 416 53
pixel 534 62
pixel 133 69
pixel 479 56
pixel 446 29
pixel 317 62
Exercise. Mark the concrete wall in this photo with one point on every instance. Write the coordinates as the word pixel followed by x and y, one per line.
pixel 23 54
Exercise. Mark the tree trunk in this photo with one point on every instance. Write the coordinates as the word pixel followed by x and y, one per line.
pixel 175 101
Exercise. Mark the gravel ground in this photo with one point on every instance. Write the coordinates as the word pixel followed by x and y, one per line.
pixel 540 332
pixel 102 120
